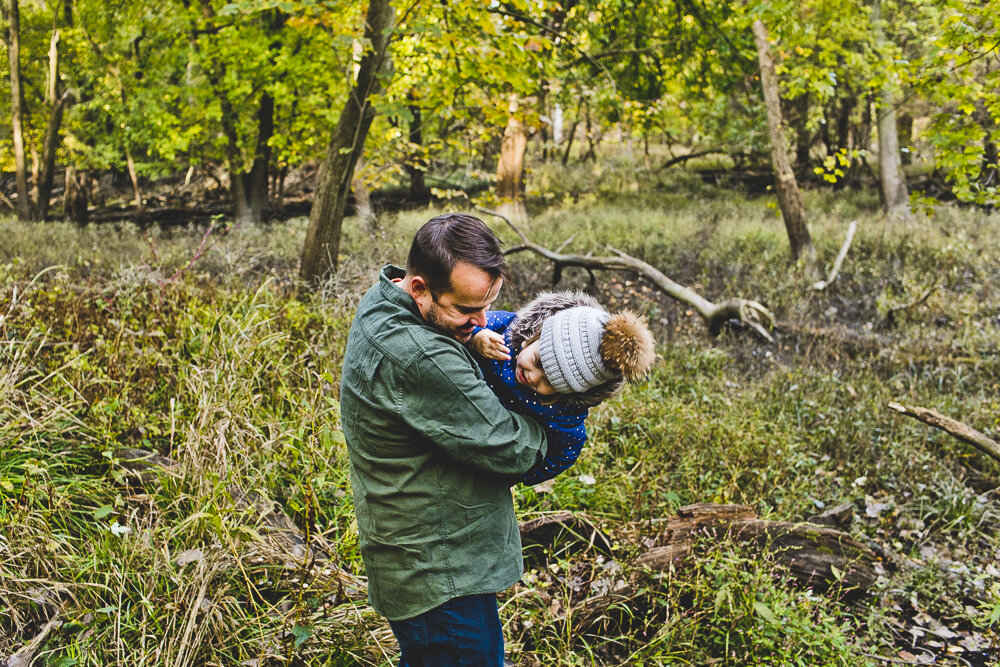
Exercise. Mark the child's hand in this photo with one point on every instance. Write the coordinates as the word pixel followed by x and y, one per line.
pixel 489 344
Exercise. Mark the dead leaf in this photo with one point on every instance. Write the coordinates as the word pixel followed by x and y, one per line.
pixel 189 556
pixel 544 487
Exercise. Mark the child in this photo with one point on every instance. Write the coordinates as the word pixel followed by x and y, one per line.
pixel 556 358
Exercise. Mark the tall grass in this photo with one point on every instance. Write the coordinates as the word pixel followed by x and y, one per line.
pixel 110 350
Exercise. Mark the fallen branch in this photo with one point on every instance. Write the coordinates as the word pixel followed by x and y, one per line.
pixel 822 284
pixel 749 313
pixel 951 426
pixel 916 302
pixel 26 655
pixel 848 338
pixel 680 159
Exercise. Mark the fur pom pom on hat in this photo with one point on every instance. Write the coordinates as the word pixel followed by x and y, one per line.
pixel 627 345
pixel 583 347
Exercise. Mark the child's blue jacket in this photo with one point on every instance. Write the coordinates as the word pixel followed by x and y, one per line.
pixel 564 425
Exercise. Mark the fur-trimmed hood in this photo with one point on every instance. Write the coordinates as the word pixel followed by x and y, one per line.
pixel 528 324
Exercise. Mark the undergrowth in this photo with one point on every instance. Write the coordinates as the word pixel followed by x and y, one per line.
pixel 114 350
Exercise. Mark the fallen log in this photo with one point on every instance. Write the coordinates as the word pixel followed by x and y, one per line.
pixel 815 555
pixel 953 427
pixel 546 529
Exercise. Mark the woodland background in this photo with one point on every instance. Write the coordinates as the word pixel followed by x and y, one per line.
pixel 199 192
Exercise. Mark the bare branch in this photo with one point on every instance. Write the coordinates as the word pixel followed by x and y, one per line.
pixel 749 313
pixel 822 284
pixel 915 302
pixel 963 432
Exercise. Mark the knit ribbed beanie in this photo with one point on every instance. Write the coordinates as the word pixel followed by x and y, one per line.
pixel 569 349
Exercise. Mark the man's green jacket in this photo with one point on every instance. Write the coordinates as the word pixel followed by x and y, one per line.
pixel 433 455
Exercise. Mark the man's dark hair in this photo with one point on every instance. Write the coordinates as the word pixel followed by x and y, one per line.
pixel 448 239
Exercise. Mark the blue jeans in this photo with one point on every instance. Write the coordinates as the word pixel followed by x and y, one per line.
pixel 463 632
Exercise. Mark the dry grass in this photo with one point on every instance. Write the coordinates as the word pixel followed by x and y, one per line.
pixel 224 373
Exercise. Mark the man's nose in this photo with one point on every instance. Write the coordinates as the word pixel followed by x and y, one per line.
pixel 479 318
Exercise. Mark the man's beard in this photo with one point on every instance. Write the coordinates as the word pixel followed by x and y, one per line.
pixel 436 321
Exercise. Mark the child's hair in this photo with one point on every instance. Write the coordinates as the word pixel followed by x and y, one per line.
pixel 586 353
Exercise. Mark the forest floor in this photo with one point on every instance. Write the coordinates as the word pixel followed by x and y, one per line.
pixel 174 485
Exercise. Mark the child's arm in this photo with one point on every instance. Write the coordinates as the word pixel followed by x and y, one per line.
pixel 489 344
pixel 488 341
pixel 566 437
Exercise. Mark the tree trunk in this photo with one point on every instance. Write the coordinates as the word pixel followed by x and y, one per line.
pixel 53 75
pixel 895 198
pixel 48 162
pixel 12 13
pixel 904 124
pixel 787 189
pixel 416 166
pixel 569 142
pixel 249 189
pixel 510 168
pixel 988 166
pixel 75 195
pixel 319 253
pixel 133 177
pixel 844 108
pixel 591 152
pixel 802 134
pixel 279 193
pixel 363 197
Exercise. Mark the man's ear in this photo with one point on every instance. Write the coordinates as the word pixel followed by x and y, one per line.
pixel 418 287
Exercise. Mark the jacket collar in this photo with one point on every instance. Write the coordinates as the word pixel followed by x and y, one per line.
pixel 395 294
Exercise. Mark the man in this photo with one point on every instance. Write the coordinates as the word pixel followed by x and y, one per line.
pixel 433 453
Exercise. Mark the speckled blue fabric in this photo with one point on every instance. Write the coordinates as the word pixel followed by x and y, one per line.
pixel 564 426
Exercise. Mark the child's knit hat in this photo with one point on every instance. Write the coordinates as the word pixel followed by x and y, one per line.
pixel 583 347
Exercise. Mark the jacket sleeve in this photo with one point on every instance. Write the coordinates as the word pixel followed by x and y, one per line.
pixel 566 436
pixel 447 403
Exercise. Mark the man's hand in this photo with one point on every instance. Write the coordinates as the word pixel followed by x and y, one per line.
pixel 489 344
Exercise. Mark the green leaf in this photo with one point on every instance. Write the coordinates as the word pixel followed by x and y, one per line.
pixel 106 610
pixel 249 533
pixel 765 612
pixel 103 511
pixel 721 597
pixel 301 633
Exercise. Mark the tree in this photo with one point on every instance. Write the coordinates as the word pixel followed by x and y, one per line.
pixel 785 185
pixel 12 14
pixel 319 253
pixel 510 166
pixel 34 204
pixel 895 199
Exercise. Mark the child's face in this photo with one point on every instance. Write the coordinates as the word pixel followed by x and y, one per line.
pixel 529 371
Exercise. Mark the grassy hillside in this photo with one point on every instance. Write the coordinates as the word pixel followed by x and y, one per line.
pixel 116 346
